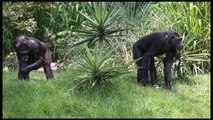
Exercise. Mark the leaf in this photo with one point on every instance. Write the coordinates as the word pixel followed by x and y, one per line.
pixel 93 23
pixel 85 31
pixel 83 41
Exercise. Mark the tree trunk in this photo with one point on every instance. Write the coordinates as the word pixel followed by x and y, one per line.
pixel 101 46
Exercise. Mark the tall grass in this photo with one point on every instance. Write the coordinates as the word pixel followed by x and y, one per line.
pixel 192 21
pixel 118 98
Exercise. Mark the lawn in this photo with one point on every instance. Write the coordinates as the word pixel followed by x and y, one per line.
pixel 120 97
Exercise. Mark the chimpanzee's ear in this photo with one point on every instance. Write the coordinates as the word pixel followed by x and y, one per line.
pixel 166 35
pixel 170 29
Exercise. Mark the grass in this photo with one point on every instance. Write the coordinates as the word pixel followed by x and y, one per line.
pixel 118 98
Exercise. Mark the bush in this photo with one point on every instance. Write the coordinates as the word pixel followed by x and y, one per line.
pixel 11 61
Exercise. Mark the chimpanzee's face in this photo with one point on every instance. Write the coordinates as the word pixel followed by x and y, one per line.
pixel 175 40
pixel 22 48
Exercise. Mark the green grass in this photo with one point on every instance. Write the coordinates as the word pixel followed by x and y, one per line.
pixel 118 98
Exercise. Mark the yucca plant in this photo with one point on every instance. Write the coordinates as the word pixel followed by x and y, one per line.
pixel 102 22
pixel 95 68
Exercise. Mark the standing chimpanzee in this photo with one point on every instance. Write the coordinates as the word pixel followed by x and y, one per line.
pixel 32 54
pixel 152 45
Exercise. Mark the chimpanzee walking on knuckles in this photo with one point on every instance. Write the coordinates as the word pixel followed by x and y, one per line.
pixel 152 45
pixel 32 54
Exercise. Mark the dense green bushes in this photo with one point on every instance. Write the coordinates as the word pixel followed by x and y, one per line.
pixel 58 25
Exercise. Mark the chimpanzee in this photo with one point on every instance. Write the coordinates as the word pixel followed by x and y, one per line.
pixel 152 45
pixel 32 54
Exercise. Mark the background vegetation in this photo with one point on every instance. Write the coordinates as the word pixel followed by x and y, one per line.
pixel 61 25
pixel 95 39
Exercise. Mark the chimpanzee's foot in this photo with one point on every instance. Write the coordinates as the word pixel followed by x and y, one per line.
pixel 168 87
pixel 143 82
pixel 50 77
pixel 156 86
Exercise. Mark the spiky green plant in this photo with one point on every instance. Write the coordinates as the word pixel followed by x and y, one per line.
pixel 96 68
pixel 102 23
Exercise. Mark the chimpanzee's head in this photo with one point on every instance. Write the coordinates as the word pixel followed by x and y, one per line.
pixel 174 40
pixel 22 47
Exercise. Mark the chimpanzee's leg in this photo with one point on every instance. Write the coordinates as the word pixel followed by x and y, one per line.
pixel 153 71
pixel 48 71
pixel 47 68
pixel 145 68
pixel 168 62
pixel 21 74
pixel 137 53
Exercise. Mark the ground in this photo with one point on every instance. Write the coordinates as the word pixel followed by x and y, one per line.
pixel 121 97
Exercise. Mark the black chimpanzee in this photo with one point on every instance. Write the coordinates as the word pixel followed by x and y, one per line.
pixel 32 54
pixel 152 45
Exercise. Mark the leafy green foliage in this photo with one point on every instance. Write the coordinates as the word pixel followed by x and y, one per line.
pixel 62 25
pixel 11 61
pixel 189 19
pixel 58 28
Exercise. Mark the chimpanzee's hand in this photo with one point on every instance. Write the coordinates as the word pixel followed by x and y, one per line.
pixel 177 57
pixel 24 71
pixel 23 74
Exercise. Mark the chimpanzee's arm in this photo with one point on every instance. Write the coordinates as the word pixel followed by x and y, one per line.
pixel 38 52
pixel 35 65
pixel 22 74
